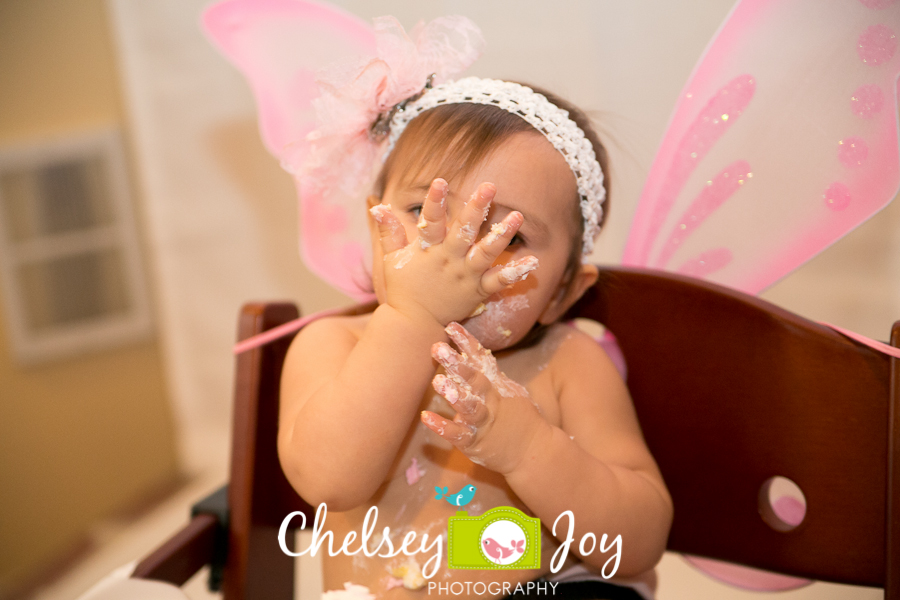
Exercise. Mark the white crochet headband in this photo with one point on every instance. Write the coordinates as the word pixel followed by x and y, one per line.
pixel 543 115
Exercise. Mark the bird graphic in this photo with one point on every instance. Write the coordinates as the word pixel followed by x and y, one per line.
pixel 460 498
pixel 493 548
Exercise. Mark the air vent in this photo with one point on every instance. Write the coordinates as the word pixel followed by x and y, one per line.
pixel 72 277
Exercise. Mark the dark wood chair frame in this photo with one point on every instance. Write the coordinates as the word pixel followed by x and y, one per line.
pixel 730 391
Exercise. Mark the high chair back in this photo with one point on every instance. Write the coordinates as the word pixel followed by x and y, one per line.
pixel 259 495
pixel 730 392
pixel 235 530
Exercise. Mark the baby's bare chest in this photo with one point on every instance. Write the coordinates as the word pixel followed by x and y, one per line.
pixel 423 488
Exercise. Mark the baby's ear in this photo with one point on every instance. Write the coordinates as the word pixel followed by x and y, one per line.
pixel 585 276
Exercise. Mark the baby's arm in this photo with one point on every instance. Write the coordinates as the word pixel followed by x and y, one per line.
pixel 347 403
pixel 594 464
pixel 604 472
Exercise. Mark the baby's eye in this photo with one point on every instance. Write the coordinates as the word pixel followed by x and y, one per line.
pixel 416 209
pixel 516 239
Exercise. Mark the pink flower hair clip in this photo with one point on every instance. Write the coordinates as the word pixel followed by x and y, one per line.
pixel 358 98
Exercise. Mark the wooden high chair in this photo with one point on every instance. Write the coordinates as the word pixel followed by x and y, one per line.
pixel 730 391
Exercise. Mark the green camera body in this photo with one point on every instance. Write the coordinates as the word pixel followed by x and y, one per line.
pixel 492 541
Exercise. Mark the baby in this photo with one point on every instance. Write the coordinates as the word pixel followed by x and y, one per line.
pixel 479 223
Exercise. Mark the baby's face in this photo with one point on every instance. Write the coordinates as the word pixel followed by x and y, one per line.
pixel 532 177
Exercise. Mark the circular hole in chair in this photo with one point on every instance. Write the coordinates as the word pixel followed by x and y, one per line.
pixel 782 504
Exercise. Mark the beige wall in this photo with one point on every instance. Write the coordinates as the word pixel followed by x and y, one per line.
pixel 87 436
pixel 57 71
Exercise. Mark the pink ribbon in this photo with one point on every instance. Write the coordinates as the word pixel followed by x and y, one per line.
pixel 874 344
pixel 261 339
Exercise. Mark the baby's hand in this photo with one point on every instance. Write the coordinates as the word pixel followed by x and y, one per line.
pixel 444 273
pixel 496 420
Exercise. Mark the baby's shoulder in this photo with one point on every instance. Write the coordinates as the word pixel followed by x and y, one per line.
pixel 571 351
pixel 329 333
pixel 564 342
pixel 551 358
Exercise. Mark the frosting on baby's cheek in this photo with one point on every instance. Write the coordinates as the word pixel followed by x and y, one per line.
pixel 495 325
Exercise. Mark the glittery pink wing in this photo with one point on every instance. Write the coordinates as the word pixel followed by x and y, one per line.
pixel 279 45
pixel 783 140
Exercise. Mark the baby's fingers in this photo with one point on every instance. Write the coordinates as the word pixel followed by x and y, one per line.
pixel 433 219
pixel 465 368
pixel 393 236
pixel 499 277
pixel 464 229
pixel 464 340
pixel 470 406
pixel 483 254
pixel 458 434
pixel 476 357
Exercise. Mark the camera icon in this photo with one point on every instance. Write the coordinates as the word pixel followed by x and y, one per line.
pixel 502 538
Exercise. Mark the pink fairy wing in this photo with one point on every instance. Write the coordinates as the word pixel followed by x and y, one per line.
pixel 783 140
pixel 279 45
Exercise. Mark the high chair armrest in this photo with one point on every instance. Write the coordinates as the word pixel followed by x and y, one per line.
pixel 183 554
pixel 203 541
pixel 216 504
